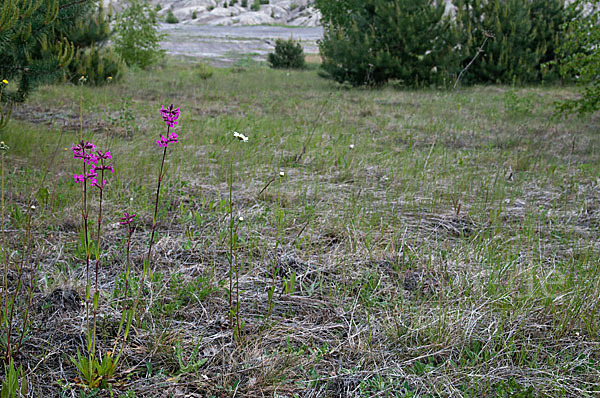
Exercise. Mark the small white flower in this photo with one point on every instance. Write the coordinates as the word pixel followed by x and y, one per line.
pixel 241 219
pixel 32 207
pixel 240 136
pixel 281 174
pixel 351 146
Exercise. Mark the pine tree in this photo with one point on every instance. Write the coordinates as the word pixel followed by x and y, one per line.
pixel 373 41
pixel 579 55
pixel 93 58
pixel 525 36
pixel 34 44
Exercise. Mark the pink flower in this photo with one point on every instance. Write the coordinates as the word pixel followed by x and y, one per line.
pixel 79 178
pixel 103 155
pixel 170 115
pixel 162 142
pixel 85 151
pixel 127 218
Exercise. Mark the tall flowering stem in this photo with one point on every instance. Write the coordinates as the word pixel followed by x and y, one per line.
pixel 98 165
pixel 234 310
pixel 103 158
pixel 169 116
pixel 3 149
pixel 84 151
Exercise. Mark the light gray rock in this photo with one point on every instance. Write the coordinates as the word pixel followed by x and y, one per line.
pixel 213 12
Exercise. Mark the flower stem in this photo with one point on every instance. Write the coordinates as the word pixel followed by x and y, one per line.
pixel 231 241
pixel 4 248
pixel 124 312
pixel 146 269
pixel 98 234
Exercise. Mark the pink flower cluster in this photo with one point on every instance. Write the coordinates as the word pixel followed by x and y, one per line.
pixel 164 141
pixel 86 151
pixel 127 218
pixel 170 115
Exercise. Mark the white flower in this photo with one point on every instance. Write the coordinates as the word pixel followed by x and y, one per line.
pixel 241 219
pixel 351 146
pixel 240 137
pixel 281 174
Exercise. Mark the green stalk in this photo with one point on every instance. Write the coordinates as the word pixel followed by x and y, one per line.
pixel 125 318
pixel 98 235
pixel 231 242
pixel 4 248
pixel 147 263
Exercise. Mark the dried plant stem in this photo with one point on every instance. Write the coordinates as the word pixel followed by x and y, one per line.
pixel 32 276
pixel 479 51
pixel 26 253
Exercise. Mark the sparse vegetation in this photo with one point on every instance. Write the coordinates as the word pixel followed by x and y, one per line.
pixel 399 243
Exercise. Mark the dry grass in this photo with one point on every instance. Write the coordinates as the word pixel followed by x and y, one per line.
pixel 452 252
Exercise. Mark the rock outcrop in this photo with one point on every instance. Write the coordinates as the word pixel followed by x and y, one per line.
pixel 228 12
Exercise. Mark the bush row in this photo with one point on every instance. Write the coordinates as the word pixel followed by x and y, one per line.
pixel 422 42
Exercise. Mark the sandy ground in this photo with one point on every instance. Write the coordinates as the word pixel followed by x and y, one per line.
pixel 225 45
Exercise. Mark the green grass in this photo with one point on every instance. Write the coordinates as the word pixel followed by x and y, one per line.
pixel 452 251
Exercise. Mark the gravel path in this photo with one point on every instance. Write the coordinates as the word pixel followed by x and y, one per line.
pixel 224 45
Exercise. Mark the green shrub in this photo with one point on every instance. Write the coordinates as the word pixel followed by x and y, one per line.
pixel 255 6
pixel 373 41
pixel 97 64
pixel 194 15
pixel 288 54
pixel 264 1
pixel 244 3
pixel 171 18
pixel 579 55
pixel 136 35
pixel 38 40
pixel 204 71
pixel 526 35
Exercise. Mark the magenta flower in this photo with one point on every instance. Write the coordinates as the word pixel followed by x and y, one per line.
pixel 104 155
pixel 85 151
pixel 163 142
pixel 170 115
pixel 100 167
pixel 127 218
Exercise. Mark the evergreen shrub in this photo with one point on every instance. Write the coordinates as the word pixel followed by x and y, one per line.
pixel 526 35
pixel 373 41
pixel 288 54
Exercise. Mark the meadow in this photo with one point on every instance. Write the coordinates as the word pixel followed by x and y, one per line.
pixel 389 242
